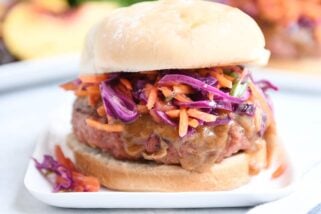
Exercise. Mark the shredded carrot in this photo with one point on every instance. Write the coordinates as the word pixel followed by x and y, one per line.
pixel 148 87
pixel 258 119
pixel 182 98
pixel 201 115
pixel 101 111
pixel 81 93
pixel 90 90
pixel 93 78
pixel 66 162
pixel 104 127
pixel 279 171
pixel 69 86
pixel 224 82
pixel 94 89
pixel 142 108
pixel 83 183
pixel 203 72
pixel 124 90
pixel 93 99
pixel 183 123
pixel 110 119
pixel 217 70
pixel 152 98
pixel 150 72
pixel 193 123
pixel 182 89
pixel 210 96
pixel 163 106
pixel 62 181
pixel 173 113
pixel 155 116
pixel 230 78
pixel 256 95
pixel 318 34
pixel 126 83
pixel 166 91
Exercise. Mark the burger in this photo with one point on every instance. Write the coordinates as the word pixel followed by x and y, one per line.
pixel 165 102
pixel 292 29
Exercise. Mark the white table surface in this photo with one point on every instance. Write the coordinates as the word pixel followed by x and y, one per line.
pixel 24 113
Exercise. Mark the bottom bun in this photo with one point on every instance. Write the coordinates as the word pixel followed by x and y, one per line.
pixel 115 174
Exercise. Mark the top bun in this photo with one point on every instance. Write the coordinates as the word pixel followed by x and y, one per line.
pixel 173 34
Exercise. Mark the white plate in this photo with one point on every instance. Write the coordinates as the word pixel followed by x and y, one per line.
pixel 260 189
pixel 38 71
pixel 288 80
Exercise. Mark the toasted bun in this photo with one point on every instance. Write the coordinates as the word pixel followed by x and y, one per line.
pixel 169 34
pixel 115 174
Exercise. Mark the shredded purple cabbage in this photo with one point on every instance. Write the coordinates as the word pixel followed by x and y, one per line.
pixel 266 85
pixel 165 118
pixel 138 92
pixel 306 22
pixel 190 132
pixel 197 104
pixel 116 105
pixel 49 165
pixel 245 109
pixel 208 80
pixel 219 121
pixel 112 77
pixel 197 84
pixel 224 105
pixel 139 95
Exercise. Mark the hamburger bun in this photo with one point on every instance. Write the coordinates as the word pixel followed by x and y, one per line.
pixel 173 34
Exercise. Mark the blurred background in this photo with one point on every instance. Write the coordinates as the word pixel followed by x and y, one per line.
pixel 292 29
pixel 34 29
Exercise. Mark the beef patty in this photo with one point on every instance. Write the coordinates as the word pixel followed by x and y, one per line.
pixel 146 140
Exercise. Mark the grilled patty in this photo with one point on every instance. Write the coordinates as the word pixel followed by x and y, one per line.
pixel 146 140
